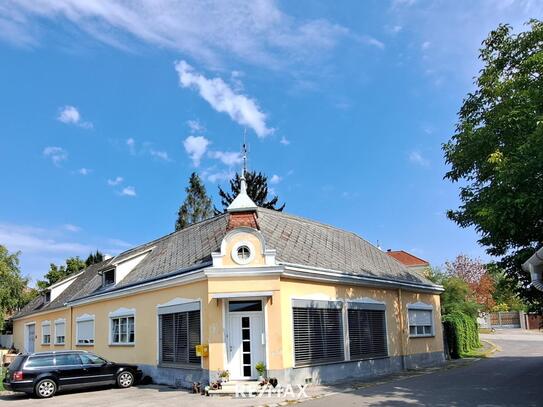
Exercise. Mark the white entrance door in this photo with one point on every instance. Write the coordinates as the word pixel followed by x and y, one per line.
pixel 246 343
pixel 30 337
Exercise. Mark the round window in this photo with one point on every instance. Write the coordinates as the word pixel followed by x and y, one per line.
pixel 244 253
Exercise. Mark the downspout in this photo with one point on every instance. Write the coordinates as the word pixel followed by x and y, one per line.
pixel 403 332
pixel 71 325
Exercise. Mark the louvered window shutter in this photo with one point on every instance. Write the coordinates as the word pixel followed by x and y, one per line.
pixel 367 333
pixel 179 335
pixel 318 335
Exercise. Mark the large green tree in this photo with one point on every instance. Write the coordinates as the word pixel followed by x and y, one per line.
pixel 496 153
pixel 197 205
pixel 94 258
pixel 57 273
pixel 14 292
pixel 257 189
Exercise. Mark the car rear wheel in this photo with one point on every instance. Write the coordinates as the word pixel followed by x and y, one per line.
pixel 45 388
pixel 125 379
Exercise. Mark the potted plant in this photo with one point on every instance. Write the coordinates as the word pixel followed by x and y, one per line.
pixel 261 369
pixel 224 375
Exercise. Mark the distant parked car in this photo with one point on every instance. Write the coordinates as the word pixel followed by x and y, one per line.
pixel 45 373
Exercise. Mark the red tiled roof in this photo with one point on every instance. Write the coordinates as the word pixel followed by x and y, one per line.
pixel 407 258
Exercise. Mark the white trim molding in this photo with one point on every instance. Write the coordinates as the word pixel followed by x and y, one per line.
pixel 245 294
pixel 421 306
pixel 234 252
pixel 122 312
pixel 269 254
pixel 179 305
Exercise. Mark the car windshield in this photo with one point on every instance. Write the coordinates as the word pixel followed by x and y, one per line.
pixel 91 359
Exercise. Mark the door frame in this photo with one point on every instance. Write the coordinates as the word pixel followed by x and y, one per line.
pixel 226 326
pixel 27 336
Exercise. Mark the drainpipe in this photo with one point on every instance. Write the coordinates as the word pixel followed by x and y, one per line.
pixel 403 333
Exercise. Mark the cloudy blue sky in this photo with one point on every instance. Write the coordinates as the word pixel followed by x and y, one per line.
pixel 106 107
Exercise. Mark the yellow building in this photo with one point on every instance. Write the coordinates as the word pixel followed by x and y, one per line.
pixel 312 302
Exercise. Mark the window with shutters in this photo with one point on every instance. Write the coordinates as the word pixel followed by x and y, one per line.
pixel 46 333
pixel 367 333
pixel 318 334
pixel 420 322
pixel 60 332
pixel 179 335
pixel 85 331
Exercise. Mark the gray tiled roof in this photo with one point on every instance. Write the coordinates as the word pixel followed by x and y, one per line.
pixel 296 240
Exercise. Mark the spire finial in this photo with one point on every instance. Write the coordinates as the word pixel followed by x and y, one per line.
pixel 242 202
pixel 243 185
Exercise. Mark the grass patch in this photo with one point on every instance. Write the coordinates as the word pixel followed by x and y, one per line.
pixel 475 353
pixel 485 330
pixel 2 373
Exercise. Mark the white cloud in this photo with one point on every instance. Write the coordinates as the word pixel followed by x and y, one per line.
pixel 162 155
pixel 56 154
pixel 366 39
pixel 128 191
pixel 196 147
pixel 284 141
pixel 115 181
pixel 70 115
pixel 71 228
pixel 425 45
pixel 228 158
pixel 195 126
pixel 275 179
pixel 257 32
pixel 84 171
pixel 241 109
pixel 417 158
pixel 131 144
pixel 213 175
pixel 41 246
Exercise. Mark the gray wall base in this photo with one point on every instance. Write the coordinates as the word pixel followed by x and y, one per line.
pixel 177 377
pixel 362 369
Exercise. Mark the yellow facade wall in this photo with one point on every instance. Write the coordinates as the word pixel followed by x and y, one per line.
pixel 38 319
pixel 278 316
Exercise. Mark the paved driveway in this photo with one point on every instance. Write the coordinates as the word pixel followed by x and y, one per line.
pixel 512 377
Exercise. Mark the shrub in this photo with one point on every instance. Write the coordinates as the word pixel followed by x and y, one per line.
pixel 462 333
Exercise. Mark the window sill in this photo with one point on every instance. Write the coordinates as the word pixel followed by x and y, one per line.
pixel 322 363
pixel 84 344
pixel 422 336
pixel 60 344
pixel 368 358
pixel 123 344
pixel 45 344
pixel 179 366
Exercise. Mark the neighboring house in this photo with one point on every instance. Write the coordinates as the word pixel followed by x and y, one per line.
pixel 410 261
pixel 534 265
pixel 313 302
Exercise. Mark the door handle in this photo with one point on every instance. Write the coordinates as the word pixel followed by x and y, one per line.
pixel 263 338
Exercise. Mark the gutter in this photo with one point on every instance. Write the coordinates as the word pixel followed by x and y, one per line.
pixel 534 265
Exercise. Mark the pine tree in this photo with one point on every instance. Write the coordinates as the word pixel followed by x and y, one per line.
pixel 257 189
pixel 94 258
pixel 197 205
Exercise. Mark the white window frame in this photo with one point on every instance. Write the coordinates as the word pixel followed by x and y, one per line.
pixel 85 318
pixel 234 253
pixel 118 314
pixel 421 306
pixel 59 322
pixel 44 324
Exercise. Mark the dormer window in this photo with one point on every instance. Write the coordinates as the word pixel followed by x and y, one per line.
pixel 47 296
pixel 109 277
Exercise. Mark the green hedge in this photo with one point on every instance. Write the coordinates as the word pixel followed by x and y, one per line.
pixel 462 333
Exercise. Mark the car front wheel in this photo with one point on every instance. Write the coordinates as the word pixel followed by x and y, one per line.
pixel 125 379
pixel 45 388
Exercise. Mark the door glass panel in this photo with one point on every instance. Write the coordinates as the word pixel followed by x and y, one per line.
pixel 246 371
pixel 246 358
pixel 68 359
pixel 242 306
pixel 246 346
pixel 246 334
pixel 245 322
